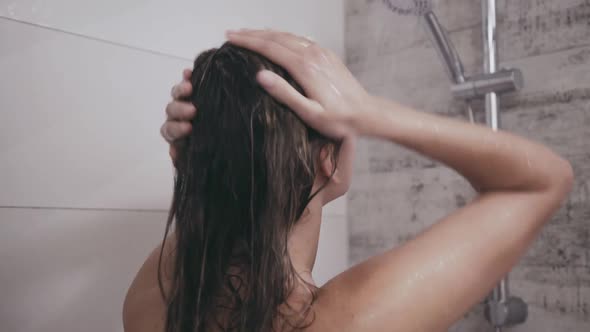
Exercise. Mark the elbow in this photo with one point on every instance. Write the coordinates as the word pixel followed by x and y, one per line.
pixel 563 178
pixel 566 176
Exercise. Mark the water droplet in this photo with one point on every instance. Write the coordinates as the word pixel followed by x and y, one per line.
pixel 335 89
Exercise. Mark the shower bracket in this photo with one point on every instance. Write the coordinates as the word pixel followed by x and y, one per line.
pixel 500 82
pixel 507 313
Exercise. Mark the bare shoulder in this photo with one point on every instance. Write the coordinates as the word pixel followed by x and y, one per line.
pixel 454 264
pixel 144 309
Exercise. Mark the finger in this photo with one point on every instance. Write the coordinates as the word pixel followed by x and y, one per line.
pixel 173 153
pixel 284 92
pixel 180 111
pixel 277 53
pixel 186 74
pixel 172 130
pixel 295 43
pixel 181 90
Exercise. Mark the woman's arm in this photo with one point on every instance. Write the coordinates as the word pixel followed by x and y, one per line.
pixel 489 160
pixel 432 280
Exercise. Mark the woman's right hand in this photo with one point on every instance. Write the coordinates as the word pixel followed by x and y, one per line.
pixel 335 99
pixel 178 114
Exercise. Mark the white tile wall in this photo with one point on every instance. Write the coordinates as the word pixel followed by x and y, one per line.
pixel 80 122
pixel 332 255
pixel 181 27
pixel 85 179
pixel 68 270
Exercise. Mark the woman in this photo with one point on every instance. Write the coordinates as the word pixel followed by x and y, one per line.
pixel 252 180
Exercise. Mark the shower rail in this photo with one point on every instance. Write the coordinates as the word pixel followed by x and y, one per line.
pixel 502 310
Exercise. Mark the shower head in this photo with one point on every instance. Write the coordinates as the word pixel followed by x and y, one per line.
pixel 436 32
pixel 409 7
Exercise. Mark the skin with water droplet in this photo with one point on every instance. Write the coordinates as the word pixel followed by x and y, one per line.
pixel 322 68
pixel 528 159
pixel 304 43
pixel 427 271
pixel 335 89
pixel 445 261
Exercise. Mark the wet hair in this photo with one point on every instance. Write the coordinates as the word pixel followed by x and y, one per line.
pixel 244 177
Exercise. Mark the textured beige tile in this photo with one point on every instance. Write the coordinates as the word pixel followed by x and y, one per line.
pixel 396 192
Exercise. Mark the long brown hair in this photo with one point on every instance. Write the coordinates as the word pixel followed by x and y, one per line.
pixel 244 177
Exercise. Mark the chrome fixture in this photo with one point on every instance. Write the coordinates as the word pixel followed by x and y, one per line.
pixel 502 310
pixel 477 86
pixel 445 48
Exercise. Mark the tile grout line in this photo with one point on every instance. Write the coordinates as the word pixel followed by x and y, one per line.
pixel 97 39
pixel 16 207
pixel 552 52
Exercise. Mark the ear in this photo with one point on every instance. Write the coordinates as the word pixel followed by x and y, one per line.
pixel 327 163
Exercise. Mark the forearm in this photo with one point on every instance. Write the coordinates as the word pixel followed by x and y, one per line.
pixel 489 160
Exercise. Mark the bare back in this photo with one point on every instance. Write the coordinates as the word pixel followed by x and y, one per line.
pixel 453 264
pixel 144 309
